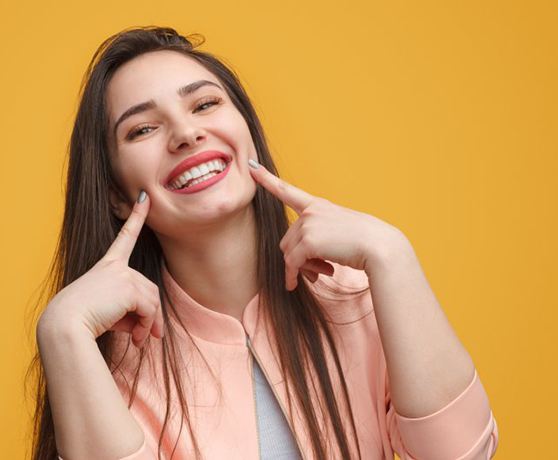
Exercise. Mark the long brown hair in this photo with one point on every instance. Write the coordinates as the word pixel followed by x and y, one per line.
pixel 89 228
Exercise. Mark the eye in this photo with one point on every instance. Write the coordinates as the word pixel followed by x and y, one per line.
pixel 209 101
pixel 136 132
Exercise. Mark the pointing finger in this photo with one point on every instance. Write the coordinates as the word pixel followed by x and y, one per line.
pixel 123 245
pixel 292 196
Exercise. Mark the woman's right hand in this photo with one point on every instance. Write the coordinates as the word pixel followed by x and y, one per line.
pixel 111 295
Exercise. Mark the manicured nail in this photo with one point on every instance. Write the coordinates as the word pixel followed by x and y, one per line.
pixel 253 163
pixel 142 196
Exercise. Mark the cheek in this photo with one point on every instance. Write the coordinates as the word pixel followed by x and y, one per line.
pixel 136 171
pixel 233 128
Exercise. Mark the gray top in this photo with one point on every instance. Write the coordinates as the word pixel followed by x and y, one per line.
pixel 276 439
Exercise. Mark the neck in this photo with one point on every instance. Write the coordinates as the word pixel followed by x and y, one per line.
pixel 217 267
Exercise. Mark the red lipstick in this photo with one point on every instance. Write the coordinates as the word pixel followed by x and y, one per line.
pixel 204 184
pixel 195 160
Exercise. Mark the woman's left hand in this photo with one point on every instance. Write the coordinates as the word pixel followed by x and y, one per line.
pixel 325 231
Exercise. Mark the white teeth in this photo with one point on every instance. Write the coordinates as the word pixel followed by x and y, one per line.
pixel 198 171
pixel 201 179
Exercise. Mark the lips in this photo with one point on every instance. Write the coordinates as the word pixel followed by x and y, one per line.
pixel 195 160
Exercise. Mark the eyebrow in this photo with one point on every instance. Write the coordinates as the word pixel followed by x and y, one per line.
pixel 151 104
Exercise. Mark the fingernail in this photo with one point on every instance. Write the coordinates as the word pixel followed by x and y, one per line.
pixel 142 196
pixel 253 163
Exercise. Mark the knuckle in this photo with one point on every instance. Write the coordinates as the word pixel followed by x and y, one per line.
pixel 151 296
pixel 155 289
pixel 131 289
pixel 282 185
pixel 306 240
pixel 128 231
pixel 320 202
pixel 125 232
pixel 307 244
pixel 150 310
pixel 129 277
pixel 290 260
pixel 106 263
pixel 135 212
pixel 317 204
pixel 307 212
pixel 156 301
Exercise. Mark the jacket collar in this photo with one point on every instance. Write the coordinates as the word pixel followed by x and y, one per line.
pixel 207 324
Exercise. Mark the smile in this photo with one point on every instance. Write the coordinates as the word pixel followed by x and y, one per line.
pixel 201 182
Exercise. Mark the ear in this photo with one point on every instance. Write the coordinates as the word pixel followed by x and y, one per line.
pixel 118 204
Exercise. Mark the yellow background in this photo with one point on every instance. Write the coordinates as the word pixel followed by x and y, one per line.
pixel 437 117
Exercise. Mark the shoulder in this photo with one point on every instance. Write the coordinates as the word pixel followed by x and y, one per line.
pixel 345 295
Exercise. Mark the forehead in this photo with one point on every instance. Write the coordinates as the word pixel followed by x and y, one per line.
pixel 153 75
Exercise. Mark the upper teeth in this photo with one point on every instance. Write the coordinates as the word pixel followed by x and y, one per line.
pixel 198 171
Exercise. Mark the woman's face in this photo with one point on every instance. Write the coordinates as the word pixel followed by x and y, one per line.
pixel 148 145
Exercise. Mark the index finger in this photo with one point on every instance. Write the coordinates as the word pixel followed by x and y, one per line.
pixel 123 245
pixel 292 196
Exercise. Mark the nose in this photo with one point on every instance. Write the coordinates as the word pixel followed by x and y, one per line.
pixel 186 137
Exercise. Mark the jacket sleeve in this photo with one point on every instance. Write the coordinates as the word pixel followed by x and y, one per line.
pixel 465 429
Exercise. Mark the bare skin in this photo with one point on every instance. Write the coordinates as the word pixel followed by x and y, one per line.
pixel 208 237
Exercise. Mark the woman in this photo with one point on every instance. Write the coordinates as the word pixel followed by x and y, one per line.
pixel 172 241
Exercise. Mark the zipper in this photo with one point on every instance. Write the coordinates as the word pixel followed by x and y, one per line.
pixel 254 396
pixel 255 356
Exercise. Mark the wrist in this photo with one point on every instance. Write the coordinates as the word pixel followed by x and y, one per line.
pixel 56 323
pixel 383 252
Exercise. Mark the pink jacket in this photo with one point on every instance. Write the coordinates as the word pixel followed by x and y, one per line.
pixel 225 424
